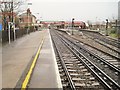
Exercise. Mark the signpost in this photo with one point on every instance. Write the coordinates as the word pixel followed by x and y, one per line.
pixel 9 24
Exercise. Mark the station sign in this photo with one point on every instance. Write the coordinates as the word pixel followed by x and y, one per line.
pixel 0 27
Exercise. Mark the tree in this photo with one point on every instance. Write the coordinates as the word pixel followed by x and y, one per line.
pixel 9 8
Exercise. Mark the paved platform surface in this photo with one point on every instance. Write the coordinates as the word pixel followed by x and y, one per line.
pixel 45 74
pixel 17 55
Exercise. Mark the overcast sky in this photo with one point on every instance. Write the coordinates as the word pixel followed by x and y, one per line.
pixel 81 10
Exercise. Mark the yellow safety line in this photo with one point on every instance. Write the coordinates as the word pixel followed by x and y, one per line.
pixel 27 78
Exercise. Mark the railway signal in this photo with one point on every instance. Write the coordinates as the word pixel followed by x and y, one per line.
pixel 106 27
pixel 72 25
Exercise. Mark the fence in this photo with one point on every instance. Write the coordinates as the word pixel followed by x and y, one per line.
pixel 19 33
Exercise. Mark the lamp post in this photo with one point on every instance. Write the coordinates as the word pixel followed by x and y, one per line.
pixel 72 25
pixel 106 27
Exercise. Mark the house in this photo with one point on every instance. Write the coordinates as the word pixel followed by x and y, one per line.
pixel 27 19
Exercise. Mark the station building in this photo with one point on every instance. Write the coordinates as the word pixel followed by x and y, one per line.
pixel 27 19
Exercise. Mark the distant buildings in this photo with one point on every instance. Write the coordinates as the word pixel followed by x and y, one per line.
pixel 68 24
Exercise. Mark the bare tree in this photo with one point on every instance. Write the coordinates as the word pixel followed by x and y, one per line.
pixel 9 8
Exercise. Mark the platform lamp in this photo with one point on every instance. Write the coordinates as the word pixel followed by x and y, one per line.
pixel 72 25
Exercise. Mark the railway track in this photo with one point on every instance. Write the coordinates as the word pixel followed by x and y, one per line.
pixel 103 39
pixel 107 57
pixel 107 53
pixel 111 56
pixel 73 73
pixel 70 56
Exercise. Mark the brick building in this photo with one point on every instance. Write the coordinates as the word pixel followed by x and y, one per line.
pixel 27 19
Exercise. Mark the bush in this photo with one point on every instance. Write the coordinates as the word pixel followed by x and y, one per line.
pixel 113 31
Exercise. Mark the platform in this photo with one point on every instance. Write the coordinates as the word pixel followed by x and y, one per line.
pixel 18 56
pixel 45 74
